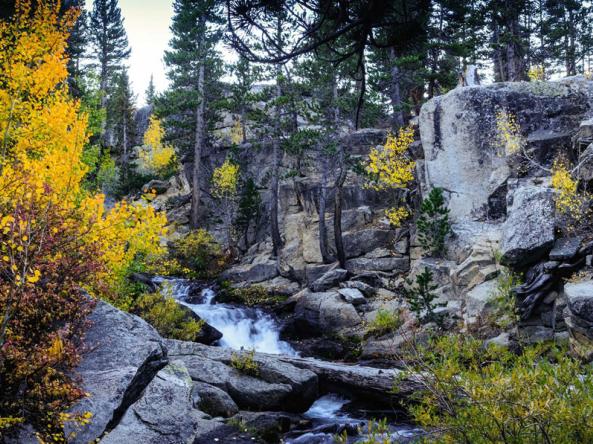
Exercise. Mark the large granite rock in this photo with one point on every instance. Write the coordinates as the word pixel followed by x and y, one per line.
pixel 212 400
pixel 578 316
pixel 329 279
pixel 123 355
pixel 252 273
pixel 164 414
pixel 458 136
pixel 528 232
pixel 321 313
pixel 388 264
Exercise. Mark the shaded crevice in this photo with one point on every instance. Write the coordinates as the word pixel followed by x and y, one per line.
pixel 144 375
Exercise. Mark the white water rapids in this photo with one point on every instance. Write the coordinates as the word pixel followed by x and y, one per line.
pixel 242 328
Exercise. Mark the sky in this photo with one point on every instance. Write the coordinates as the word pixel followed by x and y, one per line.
pixel 147 24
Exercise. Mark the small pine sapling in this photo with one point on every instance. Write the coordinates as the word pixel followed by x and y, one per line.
pixel 422 299
pixel 433 223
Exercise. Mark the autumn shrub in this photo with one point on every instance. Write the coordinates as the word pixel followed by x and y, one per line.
pixel 573 207
pixel 384 322
pixel 57 239
pixel 508 138
pixel 156 158
pixel 167 316
pixel 486 394
pixel 391 167
pixel 199 252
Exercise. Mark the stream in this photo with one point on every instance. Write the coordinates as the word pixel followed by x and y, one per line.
pixel 254 329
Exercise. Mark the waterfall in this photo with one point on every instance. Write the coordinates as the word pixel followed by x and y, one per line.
pixel 242 327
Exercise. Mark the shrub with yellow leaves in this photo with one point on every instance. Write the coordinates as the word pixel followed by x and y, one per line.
pixel 55 239
pixel 225 183
pixel 156 157
pixel 508 139
pixel 572 206
pixel 537 73
pixel 390 167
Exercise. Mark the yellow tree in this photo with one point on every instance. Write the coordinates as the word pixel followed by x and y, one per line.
pixel 55 239
pixel 155 156
pixel 390 167
pixel 225 183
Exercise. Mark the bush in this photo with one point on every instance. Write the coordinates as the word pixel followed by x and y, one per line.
pixel 245 363
pixel 200 253
pixel 384 322
pixel 421 298
pixel 168 317
pixel 250 296
pixel 433 223
pixel 476 394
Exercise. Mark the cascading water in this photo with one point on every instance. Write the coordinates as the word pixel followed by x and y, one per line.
pixel 242 328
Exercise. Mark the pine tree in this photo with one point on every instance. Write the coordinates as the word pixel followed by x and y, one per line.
pixel 243 96
pixel 120 115
pixel 77 45
pixel 109 42
pixel 422 299
pixel 193 69
pixel 150 93
pixel 433 224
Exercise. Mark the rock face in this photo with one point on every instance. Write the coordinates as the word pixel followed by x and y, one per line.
pixel 317 313
pixel 529 229
pixel 124 355
pixel 329 279
pixel 458 136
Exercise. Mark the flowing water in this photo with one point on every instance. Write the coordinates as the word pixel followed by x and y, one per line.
pixel 254 329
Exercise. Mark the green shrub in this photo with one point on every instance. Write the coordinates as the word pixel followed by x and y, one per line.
pixel 477 394
pixel 252 295
pixel 384 322
pixel 433 223
pixel 200 253
pixel 504 313
pixel 245 362
pixel 167 316
pixel 421 298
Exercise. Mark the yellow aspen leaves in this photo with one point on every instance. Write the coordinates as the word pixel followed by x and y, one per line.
pixel 508 140
pixel 155 156
pixel 390 167
pixel 225 180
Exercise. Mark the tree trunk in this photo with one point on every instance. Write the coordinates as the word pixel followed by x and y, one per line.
pixel 339 185
pixel 276 238
pixel 395 92
pixel 125 144
pixel 198 147
pixel 323 248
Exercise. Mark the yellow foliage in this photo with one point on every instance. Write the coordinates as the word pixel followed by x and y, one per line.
pixel 569 201
pixel 225 180
pixel 536 73
pixel 397 215
pixel 155 156
pixel 390 165
pixel 508 134
pixel 42 135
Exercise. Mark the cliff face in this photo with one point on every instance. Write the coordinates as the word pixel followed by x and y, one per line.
pixel 501 204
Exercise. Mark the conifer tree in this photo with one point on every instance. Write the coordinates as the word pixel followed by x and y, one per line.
pixel 109 42
pixel 150 92
pixel 120 115
pixel 77 45
pixel 193 69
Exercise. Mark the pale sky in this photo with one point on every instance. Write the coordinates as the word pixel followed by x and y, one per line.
pixel 147 24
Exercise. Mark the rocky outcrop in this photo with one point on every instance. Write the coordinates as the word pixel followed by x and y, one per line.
pixel 528 232
pixel 458 136
pixel 579 317
pixel 330 279
pixel 123 356
pixel 322 313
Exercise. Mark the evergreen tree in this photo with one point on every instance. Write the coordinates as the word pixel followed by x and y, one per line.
pixel 120 115
pixel 243 96
pixel 109 43
pixel 433 224
pixel 77 45
pixel 150 92
pixel 194 68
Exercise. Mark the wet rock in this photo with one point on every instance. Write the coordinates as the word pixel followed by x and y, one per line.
pixel 329 279
pixel 207 334
pixel 124 353
pixel 164 414
pixel 270 426
pixel 352 296
pixel 528 232
pixel 213 401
